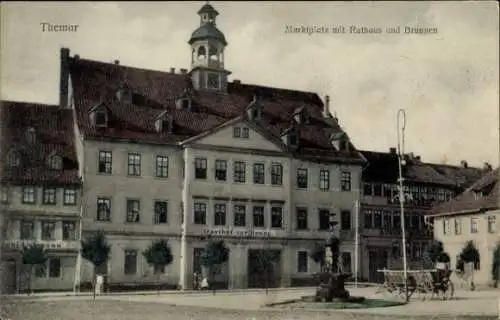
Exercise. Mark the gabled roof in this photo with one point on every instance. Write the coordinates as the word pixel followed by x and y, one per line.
pixel 481 196
pixel 255 125
pixel 54 136
pixel 94 82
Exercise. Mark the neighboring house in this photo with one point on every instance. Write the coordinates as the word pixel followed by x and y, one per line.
pixel 186 155
pixel 472 215
pixel 40 194
pixel 425 184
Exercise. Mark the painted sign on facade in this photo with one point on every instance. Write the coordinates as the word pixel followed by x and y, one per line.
pixel 240 233
pixel 56 244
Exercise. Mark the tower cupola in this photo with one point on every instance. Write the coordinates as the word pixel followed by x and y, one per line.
pixel 207 53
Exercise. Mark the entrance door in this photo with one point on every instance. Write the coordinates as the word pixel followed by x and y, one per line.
pixel 377 260
pixel 9 276
pixel 264 267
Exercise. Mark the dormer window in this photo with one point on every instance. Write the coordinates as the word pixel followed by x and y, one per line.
pixel 254 110
pixel 164 123
pixel 300 115
pixel 124 94
pixel 290 137
pixel 30 135
pixel 55 162
pixel 340 141
pixel 100 116
pixel 183 103
pixel 255 113
pixel 13 159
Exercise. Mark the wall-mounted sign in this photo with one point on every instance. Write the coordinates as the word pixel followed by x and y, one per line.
pixel 240 233
pixel 56 244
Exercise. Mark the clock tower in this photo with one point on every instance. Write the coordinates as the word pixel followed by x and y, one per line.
pixel 207 53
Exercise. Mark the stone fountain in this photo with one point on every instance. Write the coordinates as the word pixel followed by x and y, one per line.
pixel 331 281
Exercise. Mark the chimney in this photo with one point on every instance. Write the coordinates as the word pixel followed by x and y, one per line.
pixel 487 167
pixel 184 71
pixel 326 107
pixel 464 164
pixel 392 150
pixel 64 78
pixel 172 70
pixel 236 81
pixel 117 61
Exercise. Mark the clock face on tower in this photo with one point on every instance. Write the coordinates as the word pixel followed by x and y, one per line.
pixel 213 81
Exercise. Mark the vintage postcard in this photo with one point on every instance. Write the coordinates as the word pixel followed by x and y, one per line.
pixel 249 160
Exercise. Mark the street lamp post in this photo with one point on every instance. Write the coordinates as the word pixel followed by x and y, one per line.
pixel 401 162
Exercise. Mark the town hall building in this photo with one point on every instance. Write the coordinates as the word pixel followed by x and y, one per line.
pixel 189 155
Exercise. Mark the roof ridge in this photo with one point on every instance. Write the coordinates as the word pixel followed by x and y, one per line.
pixel 453 166
pixel 73 59
pixel 25 103
pixel 274 88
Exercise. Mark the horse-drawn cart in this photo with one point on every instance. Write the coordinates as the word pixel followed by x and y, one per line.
pixel 427 283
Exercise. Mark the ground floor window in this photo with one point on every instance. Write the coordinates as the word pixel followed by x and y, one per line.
pixel 302 261
pixel 51 268
pixel 130 263
pixel 54 268
pixel 346 262
pixel 197 260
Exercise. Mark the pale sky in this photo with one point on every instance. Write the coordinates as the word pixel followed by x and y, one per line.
pixel 447 82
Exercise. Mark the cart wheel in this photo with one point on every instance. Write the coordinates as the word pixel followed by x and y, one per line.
pixel 450 291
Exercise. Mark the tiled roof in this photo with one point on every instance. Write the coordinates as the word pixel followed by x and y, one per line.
pixel 155 91
pixel 482 195
pixel 53 131
pixel 383 167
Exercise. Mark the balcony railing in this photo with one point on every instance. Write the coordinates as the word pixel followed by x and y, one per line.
pixel 47 244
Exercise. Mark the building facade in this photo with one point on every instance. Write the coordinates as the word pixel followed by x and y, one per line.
pixel 425 184
pixel 472 216
pixel 40 195
pixel 189 156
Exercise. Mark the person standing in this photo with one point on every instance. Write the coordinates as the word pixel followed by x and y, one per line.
pixel 196 281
